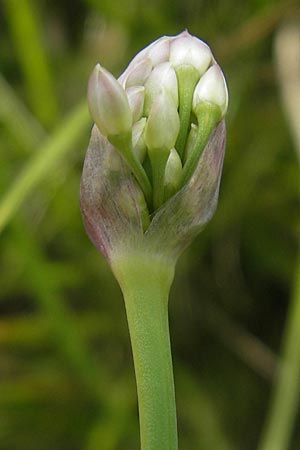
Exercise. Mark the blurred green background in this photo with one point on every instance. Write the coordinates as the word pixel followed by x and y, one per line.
pixel 66 371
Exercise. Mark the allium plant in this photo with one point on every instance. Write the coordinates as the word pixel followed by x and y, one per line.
pixel 150 184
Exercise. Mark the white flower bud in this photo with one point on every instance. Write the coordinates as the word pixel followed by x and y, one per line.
pixel 163 123
pixel 136 96
pixel 108 103
pixel 162 77
pixel 136 74
pixel 158 51
pixel 212 88
pixel 189 50
pixel 173 172
pixel 137 190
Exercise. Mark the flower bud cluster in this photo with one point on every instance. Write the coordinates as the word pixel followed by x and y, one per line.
pixel 161 111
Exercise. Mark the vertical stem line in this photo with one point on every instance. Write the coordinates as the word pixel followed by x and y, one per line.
pixel 43 162
pixel 285 398
pixel 158 159
pixel 17 119
pixel 123 144
pixel 26 32
pixel 187 77
pixel 145 282
pixel 208 116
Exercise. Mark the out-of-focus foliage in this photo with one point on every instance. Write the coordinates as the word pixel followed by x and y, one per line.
pixel 66 372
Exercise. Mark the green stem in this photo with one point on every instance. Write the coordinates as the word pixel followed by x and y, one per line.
pixel 285 398
pixel 124 144
pixel 43 162
pixel 26 31
pixel 145 281
pixel 208 115
pixel 187 77
pixel 158 158
pixel 17 119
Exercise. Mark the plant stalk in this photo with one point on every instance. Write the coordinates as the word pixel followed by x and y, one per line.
pixel 43 162
pixel 27 34
pixel 145 281
pixel 284 404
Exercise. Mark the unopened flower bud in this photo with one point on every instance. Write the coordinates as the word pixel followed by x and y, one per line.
pixel 158 52
pixel 163 123
pixel 137 73
pixel 188 50
pixel 190 57
pixel 136 96
pixel 173 172
pixel 212 89
pixel 210 101
pixel 108 103
pixel 163 77
pixel 153 167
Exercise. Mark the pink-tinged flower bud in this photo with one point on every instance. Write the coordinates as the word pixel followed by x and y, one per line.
pixel 136 96
pixel 173 172
pixel 163 77
pixel 108 103
pixel 163 123
pixel 137 74
pixel 212 89
pixel 158 52
pixel 153 167
pixel 189 50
